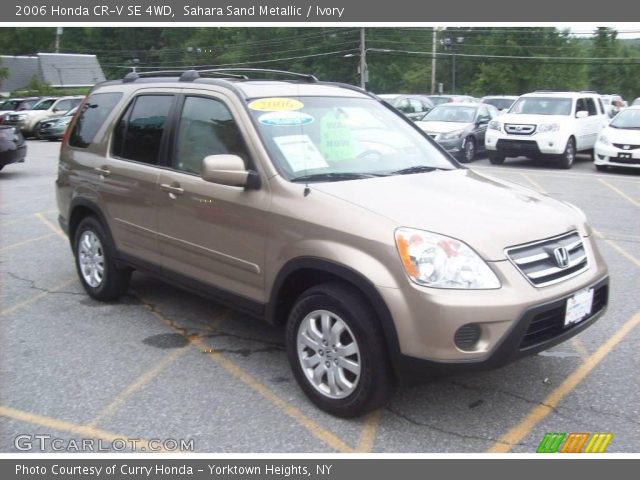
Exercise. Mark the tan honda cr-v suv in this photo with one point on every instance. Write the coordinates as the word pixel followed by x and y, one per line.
pixel 318 206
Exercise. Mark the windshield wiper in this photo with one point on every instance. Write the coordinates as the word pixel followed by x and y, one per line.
pixel 334 177
pixel 416 169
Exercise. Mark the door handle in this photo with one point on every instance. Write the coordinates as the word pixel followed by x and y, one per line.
pixel 172 190
pixel 102 171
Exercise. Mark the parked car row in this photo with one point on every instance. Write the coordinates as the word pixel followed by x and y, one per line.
pixel 542 125
pixel 31 112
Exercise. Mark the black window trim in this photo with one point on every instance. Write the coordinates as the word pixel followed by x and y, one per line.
pixel 166 131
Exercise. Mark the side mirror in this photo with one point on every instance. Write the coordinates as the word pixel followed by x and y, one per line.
pixel 229 170
pixel 582 114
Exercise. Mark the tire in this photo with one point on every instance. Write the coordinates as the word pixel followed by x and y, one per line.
pixel 602 168
pixel 356 390
pixel 96 262
pixel 468 151
pixel 496 159
pixel 565 161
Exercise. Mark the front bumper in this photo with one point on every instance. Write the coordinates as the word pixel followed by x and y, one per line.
pixel 517 342
pixel 427 319
pixel 617 157
pixel 523 145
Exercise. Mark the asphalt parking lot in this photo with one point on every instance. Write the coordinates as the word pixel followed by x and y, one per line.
pixel 165 364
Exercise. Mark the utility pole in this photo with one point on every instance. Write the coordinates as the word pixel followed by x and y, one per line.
pixel 58 34
pixel 363 61
pixel 433 61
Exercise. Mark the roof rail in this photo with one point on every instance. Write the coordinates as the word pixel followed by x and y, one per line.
pixel 184 75
pixel 240 73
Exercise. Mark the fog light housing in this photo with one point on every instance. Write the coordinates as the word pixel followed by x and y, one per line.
pixel 467 337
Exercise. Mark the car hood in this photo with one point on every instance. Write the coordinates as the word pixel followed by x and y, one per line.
pixel 486 213
pixel 622 135
pixel 533 119
pixel 441 127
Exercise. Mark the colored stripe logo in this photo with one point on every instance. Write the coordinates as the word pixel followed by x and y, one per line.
pixel 574 443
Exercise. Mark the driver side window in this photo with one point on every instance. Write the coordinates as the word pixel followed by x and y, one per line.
pixel 206 128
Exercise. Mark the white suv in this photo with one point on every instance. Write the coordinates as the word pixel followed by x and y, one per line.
pixel 547 124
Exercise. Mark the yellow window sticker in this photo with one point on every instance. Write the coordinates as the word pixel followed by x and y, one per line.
pixel 276 104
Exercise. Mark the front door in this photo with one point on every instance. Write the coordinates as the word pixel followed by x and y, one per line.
pixel 212 233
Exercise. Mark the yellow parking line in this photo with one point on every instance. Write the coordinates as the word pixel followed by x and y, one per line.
pixel 237 372
pixel 620 250
pixel 289 410
pixel 83 431
pixel 147 376
pixel 24 242
pixel 35 298
pixel 140 382
pixel 368 434
pixel 620 192
pixel 539 187
pixel 50 225
pixel 551 401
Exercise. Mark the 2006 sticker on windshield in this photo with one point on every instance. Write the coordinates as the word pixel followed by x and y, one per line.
pixel 276 104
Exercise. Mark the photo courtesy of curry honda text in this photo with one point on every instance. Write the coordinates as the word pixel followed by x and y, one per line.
pixel 320 207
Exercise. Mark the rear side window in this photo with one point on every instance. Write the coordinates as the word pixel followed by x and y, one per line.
pixel 91 117
pixel 138 134
pixel 591 106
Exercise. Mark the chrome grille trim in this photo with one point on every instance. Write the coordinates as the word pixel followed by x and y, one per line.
pixel 537 263
pixel 519 129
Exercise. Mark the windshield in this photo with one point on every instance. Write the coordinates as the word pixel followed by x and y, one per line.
pixel 450 113
pixel 499 103
pixel 334 137
pixel 44 105
pixel 629 119
pixel 542 106
pixel 9 104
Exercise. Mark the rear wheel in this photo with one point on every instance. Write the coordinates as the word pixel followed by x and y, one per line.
pixel 569 155
pixel 96 264
pixel 337 351
pixel 496 159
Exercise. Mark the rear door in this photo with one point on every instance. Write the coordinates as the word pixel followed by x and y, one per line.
pixel 129 173
pixel 210 232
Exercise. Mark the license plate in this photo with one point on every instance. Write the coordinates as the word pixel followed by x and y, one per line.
pixel 624 155
pixel 578 307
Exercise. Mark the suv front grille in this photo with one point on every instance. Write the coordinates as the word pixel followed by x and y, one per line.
pixel 550 261
pixel 519 129
pixel 550 323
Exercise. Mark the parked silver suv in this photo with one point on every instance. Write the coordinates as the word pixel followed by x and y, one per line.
pixel 318 206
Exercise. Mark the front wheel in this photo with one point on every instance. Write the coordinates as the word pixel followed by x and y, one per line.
pixel 496 159
pixel 96 263
pixel 468 150
pixel 337 351
pixel 569 155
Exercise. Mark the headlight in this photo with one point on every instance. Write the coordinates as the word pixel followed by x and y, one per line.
pixel 64 121
pixel 548 127
pixel 495 125
pixel 22 116
pixel 434 260
pixel 604 140
pixel 452 135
